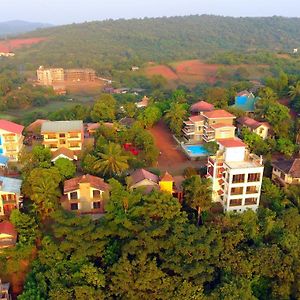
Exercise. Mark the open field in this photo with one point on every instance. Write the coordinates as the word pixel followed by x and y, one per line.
pixel 191 72
pixel 11 45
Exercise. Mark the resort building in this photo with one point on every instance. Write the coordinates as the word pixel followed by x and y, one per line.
pixel 49 76
pixel 80 75
pixel 11 139
pixel 10 194
pixel 8 237
pixel 85 194
pixel 209 126
pixel 63 134
pixel 286 172
pixel 236 176
pixel 260 128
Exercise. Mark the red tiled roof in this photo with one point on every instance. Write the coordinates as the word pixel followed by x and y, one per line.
pixel 197 118
pixel 36 125
pixel 141 174
pixel 201 106
pixel 218 114
pixel 232 143
pixel 11 126
pixel 221 125
pixel 249 122
pixel 8 228
pixel 95 182
pixel 64 151
pixel 167 177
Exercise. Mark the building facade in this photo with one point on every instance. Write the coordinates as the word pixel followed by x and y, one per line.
pixel 260 128
pixel 11 139
pixel 85 194
pixel 10 195
pixel 286 172
pixel 236 176
pixel 49 76
pixel 63 134
pixel 79 75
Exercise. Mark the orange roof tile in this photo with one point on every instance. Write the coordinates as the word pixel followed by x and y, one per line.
pixel 201 106
pixel 218 114
pixel 221 125
pixel 232 143
pixel 64 151
pixel 167 177
pixel 198 118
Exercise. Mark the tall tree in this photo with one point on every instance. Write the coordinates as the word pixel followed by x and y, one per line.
pixel 175 117
pixel 104 109
pixel 198 194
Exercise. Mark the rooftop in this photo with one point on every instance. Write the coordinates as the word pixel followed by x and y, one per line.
pixel 245 101
pixel 231 143
pixel 197 118
pixel 10 185
pixel 141 174
pixel 11 126
pixel 35 126
pixel 218 114
pixel 95 182
pixel 201 106
pixel 291 167
pixel 65 152
pixel 221 125
pixel 167 177
pixel 62 126
pixel 249 122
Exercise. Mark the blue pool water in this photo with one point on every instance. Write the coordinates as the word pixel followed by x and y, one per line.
pixel 196 150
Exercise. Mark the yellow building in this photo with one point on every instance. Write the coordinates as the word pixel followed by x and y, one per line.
pixel 166 183
pixel 63 134
pixel 85 194
pixel 11 139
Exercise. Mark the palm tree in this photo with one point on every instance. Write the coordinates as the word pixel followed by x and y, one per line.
pixel 294 90
pixel 112 160
pixel 198 194
pixel 175 117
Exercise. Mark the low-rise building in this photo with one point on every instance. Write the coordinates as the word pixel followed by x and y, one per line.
pixel 8 236
pixel 236 176
pixel 5 293
pixel 209 126
pixel 63 134
pixel 260 128
pixel 49 76
pixel 80 75
pixel 85 194
pixel 286 172
pixel 11 139
pixel 245 101
pixel 143 103
pixel 63 153
pixel 10 194
pixel 200 107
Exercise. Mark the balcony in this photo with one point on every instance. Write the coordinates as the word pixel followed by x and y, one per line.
pixel 188 130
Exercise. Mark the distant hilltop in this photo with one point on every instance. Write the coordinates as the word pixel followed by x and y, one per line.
pixel 14 27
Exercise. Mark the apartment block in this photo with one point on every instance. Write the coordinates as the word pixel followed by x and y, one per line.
pixel 209 126
pixel 236 176
pixel 11 139
pixel 49 76
pixel 10 194
pixel 85 194
pixel 80 75
pixel 63 134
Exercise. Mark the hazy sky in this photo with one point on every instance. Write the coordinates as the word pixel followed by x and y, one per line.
pixel 69 11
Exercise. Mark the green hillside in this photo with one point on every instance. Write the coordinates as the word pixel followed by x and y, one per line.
pixel 119 44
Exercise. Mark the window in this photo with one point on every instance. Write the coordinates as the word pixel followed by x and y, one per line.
pixel 250 201
pixel 96 205
pixel 253 177
pixel 252 190
pixel 238 178
pixel 51 136
pixel 62 142
pixel 74 206
pixel 96 194
pixel 235 202
pixel 73 195
pixel 237 191
pixel 62 135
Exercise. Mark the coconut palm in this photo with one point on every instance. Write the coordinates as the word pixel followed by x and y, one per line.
pixel 112 160
pixel 175 117
pixel 198 194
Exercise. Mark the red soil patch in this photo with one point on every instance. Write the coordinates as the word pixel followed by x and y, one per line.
pixel 10 45
pixel 162 70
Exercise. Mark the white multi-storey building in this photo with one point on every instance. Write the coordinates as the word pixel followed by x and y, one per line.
pixel 236 176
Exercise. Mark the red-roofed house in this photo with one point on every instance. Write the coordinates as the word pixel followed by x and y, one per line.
pixel 85 194
pixel 11 139
pixel 209 126
pixel 143 103
pixel 142 178
pixel 260 128
pixel 63 153
pixel 8 235
pixel 200 107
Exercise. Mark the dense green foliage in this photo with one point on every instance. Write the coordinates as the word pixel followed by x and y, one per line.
pixel 118 44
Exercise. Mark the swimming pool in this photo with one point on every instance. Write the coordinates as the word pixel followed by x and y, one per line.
pixel 195 150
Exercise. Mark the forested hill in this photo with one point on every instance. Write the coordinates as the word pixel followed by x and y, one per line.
pixel 121 43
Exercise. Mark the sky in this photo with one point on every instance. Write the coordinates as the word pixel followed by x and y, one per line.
pixel 76 11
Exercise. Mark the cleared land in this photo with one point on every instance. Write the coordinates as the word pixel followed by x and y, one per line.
pixel 11 45
pixel 191 72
